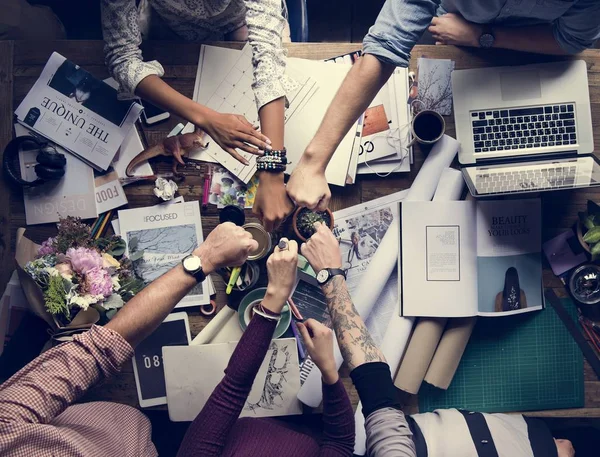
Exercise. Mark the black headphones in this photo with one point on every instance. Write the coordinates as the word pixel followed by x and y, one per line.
pixel 51 163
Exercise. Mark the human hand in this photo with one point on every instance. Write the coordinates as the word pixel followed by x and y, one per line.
pixel 318 340
pixel 456 30
pixel 272 204
pixel 281 270
pixel 564 448
pixel 322 250
pixel 308 187
pixel 233 131
pixel 226 246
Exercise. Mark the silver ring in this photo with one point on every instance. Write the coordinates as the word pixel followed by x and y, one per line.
pixel 283 245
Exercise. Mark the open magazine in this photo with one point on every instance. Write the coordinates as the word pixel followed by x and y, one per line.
pixel 77 111
pixel 471 258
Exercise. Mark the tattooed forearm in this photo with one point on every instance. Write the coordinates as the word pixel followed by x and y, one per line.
pixel 355 342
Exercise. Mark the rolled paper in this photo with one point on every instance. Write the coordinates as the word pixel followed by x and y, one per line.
pixel 451 185
pixel 420 351
pixel 386 258
pixel 449 351
pixel 216 325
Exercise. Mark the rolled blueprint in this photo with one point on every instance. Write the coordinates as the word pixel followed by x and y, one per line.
pixel 440 157
pixel 449 352
pixel 428 331
pixel 420 351
pixel 451 185
pixel 217 325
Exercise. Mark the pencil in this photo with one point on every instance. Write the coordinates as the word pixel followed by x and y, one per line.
pixel 100 231
pixel 95 225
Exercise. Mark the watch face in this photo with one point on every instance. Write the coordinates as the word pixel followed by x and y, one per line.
pixel 322 276
pixel 192 263
pixel 486 40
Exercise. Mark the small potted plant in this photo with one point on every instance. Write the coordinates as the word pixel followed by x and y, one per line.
pixel 304 221
pixel 588 229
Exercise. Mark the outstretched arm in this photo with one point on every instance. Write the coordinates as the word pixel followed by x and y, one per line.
pixel 356 344
pixel 48 385
pixel 388 433
pixel 307 185
pixel 208 433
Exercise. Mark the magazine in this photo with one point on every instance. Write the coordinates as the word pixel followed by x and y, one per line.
pixel 73 195
pixel 77 111
pixel 471 258
pixel 166 234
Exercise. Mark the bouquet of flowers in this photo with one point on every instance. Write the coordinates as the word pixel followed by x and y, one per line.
pixel 77 273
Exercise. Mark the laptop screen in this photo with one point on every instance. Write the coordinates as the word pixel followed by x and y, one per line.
pixel 533 176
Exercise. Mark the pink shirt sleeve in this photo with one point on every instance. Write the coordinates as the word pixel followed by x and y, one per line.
pixel 49 384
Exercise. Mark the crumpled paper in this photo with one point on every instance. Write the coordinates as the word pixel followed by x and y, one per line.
pixel 165 189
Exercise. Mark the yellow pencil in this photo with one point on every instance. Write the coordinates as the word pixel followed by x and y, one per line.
pixel 107 216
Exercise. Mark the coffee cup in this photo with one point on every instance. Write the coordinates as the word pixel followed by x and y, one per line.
pixel 427 127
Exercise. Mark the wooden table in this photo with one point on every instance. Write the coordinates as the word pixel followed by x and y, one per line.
pixel 22 62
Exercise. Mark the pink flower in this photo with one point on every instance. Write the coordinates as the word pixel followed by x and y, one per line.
pixel 98 282
pixel 47 248
pixel 83 259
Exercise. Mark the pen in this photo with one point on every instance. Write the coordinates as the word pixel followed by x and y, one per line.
pixel 301 351
pixel 235 273
pixel 295 310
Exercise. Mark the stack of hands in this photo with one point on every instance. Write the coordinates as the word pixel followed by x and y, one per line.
pixel 229 245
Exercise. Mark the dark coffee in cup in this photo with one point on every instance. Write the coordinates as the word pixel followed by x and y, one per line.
pixel 428 126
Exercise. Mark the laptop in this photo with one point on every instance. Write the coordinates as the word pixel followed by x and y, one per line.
pixel 525 129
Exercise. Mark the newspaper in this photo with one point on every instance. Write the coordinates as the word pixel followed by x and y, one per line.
pixel 77 111
pixel 360 229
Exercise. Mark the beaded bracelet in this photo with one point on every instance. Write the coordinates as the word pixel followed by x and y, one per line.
pixel 272 161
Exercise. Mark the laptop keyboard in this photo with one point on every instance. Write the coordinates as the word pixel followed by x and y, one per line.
pixel 524 128
pixel 534 178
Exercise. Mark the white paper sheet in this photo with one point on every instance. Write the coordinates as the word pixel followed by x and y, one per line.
pixel 273 392
pixel 451 185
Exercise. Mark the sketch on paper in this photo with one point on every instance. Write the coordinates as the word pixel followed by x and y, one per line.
pixel 435 85
pixel 273 390
pixel 163 248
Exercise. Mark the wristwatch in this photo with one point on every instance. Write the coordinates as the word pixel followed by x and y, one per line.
pixel 326 274
pixel 192 265
pixel 487 38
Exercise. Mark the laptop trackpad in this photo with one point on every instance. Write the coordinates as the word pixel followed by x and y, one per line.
pixel 519 85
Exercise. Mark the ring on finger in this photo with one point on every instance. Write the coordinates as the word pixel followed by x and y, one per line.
pixel 283 245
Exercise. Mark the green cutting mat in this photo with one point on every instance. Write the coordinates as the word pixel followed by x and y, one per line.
pixel 517 363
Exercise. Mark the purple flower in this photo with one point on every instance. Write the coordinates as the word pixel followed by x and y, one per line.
pixel 47 248
pixel 98 282
pixel 83 259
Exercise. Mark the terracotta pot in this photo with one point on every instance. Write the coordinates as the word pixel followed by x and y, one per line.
pixel 580 231
pixel 295 221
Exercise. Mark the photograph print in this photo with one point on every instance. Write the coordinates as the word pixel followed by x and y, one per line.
pixel 81 87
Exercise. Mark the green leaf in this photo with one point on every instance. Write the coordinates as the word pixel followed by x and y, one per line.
pixel 113 302
pixel 136 256
pixel 592 236
pixel 595 249
pixel 118 249
pixel 586 220
pixel 111 313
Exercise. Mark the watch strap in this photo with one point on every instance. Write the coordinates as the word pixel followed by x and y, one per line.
pixel 335 272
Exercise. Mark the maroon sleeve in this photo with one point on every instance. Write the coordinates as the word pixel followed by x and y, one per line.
pixel 338 421
pixel 207 435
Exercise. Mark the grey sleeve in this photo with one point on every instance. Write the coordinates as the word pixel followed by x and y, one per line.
pixel 579 27
pixel 388 434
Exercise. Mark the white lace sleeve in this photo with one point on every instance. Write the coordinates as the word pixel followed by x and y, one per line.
pixel 122 40
pixel 265 24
